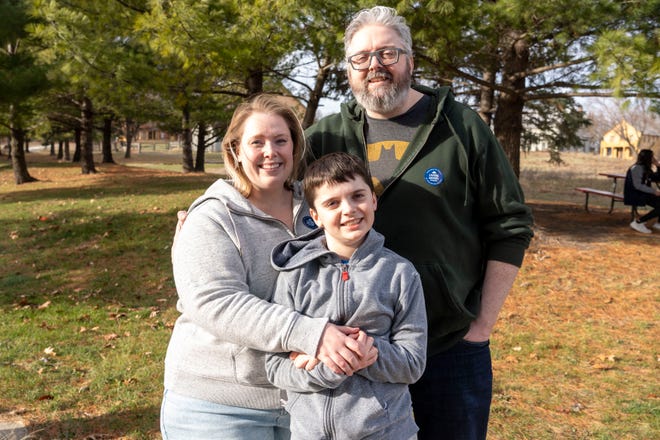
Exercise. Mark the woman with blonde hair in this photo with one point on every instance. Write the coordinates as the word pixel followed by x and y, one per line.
pixel 215 378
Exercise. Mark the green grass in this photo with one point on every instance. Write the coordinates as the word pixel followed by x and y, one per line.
pixel 87 299
pixel 88 302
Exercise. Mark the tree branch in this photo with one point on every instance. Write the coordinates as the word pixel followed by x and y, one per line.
pixel 131 7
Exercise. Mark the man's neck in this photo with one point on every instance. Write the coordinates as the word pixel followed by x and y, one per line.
pixel 411 99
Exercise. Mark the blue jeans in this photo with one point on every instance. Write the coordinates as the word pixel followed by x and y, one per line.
pixel 452 399
pixel 185 418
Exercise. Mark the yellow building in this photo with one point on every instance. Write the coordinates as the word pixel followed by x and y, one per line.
pixel 625 141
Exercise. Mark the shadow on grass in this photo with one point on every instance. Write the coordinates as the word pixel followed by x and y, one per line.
pixel 135 424
pixel 125 255
pixel 113 185
pixel 572 222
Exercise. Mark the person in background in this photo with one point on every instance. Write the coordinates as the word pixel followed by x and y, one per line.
pixel 215 376
pixel 638 191
pixel 342 272
pixel 448 201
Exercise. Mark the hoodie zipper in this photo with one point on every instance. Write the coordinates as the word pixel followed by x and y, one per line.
pixel 344 271
pixel 328 422
pixel 341 291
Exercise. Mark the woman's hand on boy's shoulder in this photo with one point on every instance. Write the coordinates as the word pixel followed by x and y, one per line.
pixel 180 219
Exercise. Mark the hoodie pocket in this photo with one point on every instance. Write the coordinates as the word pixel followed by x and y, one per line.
pixel 369 402
pixel 250 366
pixel 444 306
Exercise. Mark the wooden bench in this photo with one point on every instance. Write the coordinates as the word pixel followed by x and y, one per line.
pixel 599 192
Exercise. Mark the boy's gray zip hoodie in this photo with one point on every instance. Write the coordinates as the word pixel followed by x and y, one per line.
pixel 225 282
pixel 376 290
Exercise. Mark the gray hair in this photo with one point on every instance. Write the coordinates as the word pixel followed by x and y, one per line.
pixel 383 16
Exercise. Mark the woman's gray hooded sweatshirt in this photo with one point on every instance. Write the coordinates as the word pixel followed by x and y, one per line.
pixel 225 282
pixel 376 290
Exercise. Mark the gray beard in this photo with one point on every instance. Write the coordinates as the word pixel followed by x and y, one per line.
pixel 391 97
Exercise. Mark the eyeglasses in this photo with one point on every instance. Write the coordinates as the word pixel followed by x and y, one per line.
pixel 386 57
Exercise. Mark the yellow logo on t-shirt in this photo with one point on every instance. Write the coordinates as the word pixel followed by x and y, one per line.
pixel 378 187
pixel 374 150
pixel 384 157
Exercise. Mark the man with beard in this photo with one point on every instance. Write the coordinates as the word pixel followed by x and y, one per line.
pixel 448 201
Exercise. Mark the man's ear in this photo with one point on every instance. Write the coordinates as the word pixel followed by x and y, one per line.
pixel 375 199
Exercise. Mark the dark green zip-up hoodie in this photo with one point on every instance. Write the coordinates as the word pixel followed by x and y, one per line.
pixel 454 204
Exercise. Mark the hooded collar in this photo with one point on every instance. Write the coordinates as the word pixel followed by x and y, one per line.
pixel 223 190
pixel 296 252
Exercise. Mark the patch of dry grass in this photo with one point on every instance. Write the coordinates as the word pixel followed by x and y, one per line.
pixel 574 351
pixel 86 271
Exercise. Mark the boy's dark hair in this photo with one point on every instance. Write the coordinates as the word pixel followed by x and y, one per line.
pixel 333 168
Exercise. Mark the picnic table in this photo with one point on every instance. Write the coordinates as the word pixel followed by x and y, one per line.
pixel 613 195
pixel 615 177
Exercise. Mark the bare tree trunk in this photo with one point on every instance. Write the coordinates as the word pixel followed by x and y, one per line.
pixel 67 150
pixel 129 142
pixel 131 127
pixel 186 146
pixel 87 138
pixel 508 118
pixel 60 149
pixel 18 163
pixel 16 143
pixel 316 94
pixel 487 98
pixel 201 147
pixel 77 139
pixel 508 128
pixel 254 82
pixel 107 141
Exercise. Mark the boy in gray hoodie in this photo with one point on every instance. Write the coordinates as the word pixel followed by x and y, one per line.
pixel 342 271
